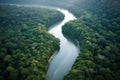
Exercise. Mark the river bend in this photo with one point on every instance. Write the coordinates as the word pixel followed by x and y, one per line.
pixel 62 62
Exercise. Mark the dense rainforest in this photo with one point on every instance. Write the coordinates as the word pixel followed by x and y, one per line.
pixel 25 44
pixel 98 31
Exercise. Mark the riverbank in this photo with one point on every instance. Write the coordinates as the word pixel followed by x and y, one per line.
pixel 97 30
pixel 25 44
pixel 63 61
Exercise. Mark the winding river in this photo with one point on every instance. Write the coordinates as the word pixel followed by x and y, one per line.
pixel 61 64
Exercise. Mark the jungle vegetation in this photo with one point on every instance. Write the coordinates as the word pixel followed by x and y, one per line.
pixel 98 31
pixel 25 44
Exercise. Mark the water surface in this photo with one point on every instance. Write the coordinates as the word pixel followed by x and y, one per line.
pixel 63 61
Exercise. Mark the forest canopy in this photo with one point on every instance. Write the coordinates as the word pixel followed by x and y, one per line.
pixel 25 44
pixel 97 29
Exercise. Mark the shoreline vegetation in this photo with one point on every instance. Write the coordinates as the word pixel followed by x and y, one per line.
pixel 97 30
pixel 25 44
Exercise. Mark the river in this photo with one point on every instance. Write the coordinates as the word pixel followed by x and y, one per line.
pixel 61 64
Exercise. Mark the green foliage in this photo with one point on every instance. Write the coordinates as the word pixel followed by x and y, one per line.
pixel 97 30
pixel 25 44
